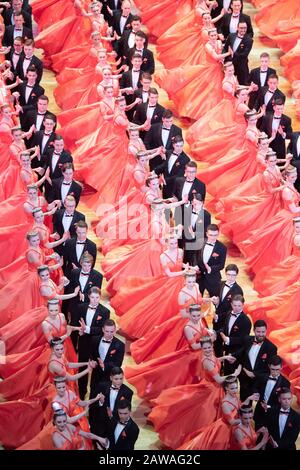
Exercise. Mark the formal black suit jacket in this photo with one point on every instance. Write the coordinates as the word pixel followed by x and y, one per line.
pixel 239 331
pixel 37 91
pixel 278 144
pixel 51 191
pixel 197 187
pixel 148 64
pixel 27 18
pixel 13 69
pixel 116 21
pixel 34 61
pixel 216 261
pixel 153 139
pixel 140 114
pixel 192 245
pixel 240 56
pixel 111 5
pixel 101 415
pixel 58 226
pixel 123 45
pixel 225 304
pixel 70 255
pixel 177 170
pixel 260 101
pixel 75 190
pixel 260 415
pixel 30 119
pixel 225 24
pixel 95 279
pixel 38 140
pixel 8 38
pixel 288 439
pixel 127 438
pixel 126 82
pixel 254 77
pixel 114 358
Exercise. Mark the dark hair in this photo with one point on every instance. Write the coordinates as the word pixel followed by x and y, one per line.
pixel 167 114
pixel 278 102
pixel 58 137
pixel 206 339
pixel 275 361
pixel 232 267
pixel 198 197
pixel 153 91
pixel 176 139
pixel 109 322
pixel 273 75
pixel 82 224
pixel 49 115
pixel 194 307
pixel 191 164
pixel 213 227
pixel 18 13
pixel 95 290
pixel 264 54
pixel 259 323
pixel 57 414
pixel 124 404
pixel 43 97
pixel 136 18
pixel 141 34
pixel 230 379
pixel 31 68
pixel 116 371
pixel 68 166
pixel 55 340
pixel 283 390
pixel 238 298
pixel 146 76
pixel 29 42
pixel 245 409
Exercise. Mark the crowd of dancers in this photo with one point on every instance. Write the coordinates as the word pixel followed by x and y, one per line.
pixel 219 373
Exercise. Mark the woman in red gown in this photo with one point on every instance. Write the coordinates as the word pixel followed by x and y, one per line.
pixel 291 63
pixel 196 89
pixel 269 282
pixel 274 241
pixel 218 435
pixel 244 436
pixel 168 336
pixel 193 405
pixel 252 211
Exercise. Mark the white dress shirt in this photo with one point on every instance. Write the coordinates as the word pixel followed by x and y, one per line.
pixel 112 398
pixel 275 123
pixel 131 39
pixel 103 348
pixel 26 64
pixel 269 389
pixel 54 160
pixel 165 136
pixel 116 4
pixel 236 43
pixel 15 59
pixel 298 146
pixel 253 353
pixel 234 24
pixel 171 161
pixel 150 111
pixel 18 33
pixel 207 251
pixel 186 189
pixel 231 322
pixel 262 78
pixel 79 250
pixel 118 430
pixel 66 221
pixel 226 289
pixel 268 97
pixel 65 188
pixel 145 96
pixel 83 279
pixel 282 422
pixel 88 319
pixel 194 219
pixel 39 121
pixel 122 23
pixel 46 137
pixel 135 78
pixel 28 91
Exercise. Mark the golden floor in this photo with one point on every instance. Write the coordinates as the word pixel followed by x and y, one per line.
pixel 148 438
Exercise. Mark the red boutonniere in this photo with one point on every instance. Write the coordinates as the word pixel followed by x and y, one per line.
pixel 122 398
pixel 264 356
pixel 113 351
pixel 194 191
pixel 229 296
pixel 123 434
pixel 33 94
pixel 109 412
pixel 71 194
pixel 235 328
pixel 215 255
pixel 145 60
pixel 241 46
pixel 282 127
pixel 200 221
pixel 155 116
pixel 290 425
pixel 60 165
pixel 177 164
pixel 99 317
